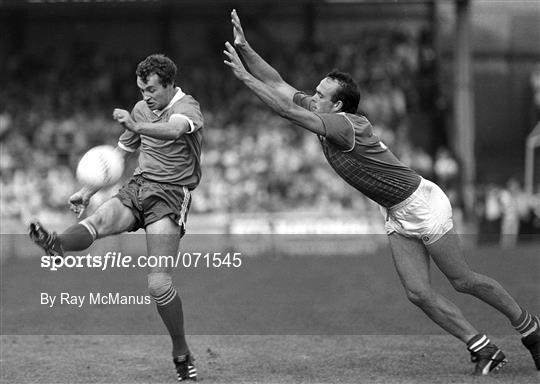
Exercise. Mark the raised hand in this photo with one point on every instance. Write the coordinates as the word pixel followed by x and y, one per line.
pixel 238 32
pixel 234 61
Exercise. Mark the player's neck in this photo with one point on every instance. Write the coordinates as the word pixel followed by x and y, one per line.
pixel 170 95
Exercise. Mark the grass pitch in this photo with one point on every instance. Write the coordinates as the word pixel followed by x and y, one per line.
pixel 275 320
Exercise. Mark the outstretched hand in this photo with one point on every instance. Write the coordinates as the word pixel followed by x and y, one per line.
pixel 234 62
pixel 239 36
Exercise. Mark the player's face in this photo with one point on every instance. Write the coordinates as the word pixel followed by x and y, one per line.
pixel 154 93
pixel 323 96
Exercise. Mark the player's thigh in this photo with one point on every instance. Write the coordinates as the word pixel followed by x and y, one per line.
pixel 111 217
pixel 162 239
pixel 449 256
pixel 411 260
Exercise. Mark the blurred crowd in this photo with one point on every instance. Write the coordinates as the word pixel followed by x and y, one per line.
pixel 507 214
pixel 55 107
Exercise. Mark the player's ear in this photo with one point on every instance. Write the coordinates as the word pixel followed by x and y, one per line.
pixel 338 105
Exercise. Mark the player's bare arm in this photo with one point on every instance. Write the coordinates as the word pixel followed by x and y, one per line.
pixel 280 103
pixel 256 64
pixel 170 130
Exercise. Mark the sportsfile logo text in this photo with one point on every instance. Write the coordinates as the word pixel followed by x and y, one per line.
pixel 118 260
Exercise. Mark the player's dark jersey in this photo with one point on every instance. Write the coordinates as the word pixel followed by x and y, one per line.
pixel 361 159
pixel 168 161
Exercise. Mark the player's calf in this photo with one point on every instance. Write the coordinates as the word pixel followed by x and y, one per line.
pixel 486 356
pixel 169 307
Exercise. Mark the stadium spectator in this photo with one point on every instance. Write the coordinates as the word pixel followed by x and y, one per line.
pixel 509 197
pixel 446 169
pixel 535 207
pixel 422 162
pixel 493 211
pixel 535 87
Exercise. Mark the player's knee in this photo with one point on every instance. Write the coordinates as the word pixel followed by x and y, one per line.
pixel 110 218
pixel 159 283
pixel 465 284
pixel 98 222
pixel 419 297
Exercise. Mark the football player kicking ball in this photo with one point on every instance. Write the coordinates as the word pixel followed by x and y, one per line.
pixel 167 127
pixel 418 214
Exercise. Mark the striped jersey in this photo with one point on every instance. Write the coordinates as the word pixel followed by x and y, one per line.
pixel 361 159
pixel 176 162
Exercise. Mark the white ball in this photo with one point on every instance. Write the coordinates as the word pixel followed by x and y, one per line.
pixel 100 167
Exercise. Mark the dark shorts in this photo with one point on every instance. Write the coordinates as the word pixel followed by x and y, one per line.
pixel 150 201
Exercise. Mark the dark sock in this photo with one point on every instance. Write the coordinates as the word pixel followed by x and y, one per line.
pixel 169 307
pixel 77 237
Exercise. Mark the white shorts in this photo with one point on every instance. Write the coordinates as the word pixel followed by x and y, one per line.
pixel 426 214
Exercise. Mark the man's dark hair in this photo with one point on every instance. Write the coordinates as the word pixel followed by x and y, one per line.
pixel 157 64
pixel 348 92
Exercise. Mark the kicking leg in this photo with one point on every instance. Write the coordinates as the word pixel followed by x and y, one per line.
pixel 110 218
pixel 163 237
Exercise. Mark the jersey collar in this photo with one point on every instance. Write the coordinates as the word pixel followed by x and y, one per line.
pixel 177 96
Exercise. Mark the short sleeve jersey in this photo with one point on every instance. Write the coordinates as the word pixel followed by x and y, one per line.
pixel 176 162
pixel 361 159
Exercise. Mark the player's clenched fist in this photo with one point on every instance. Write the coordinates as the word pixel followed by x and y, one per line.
pixel 79 201
pixel 123 117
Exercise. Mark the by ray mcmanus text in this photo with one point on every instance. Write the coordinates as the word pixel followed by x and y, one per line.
pixel 92 298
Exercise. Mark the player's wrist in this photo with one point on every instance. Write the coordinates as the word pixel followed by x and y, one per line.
pixel 241 45
pixel 88 191
pixel 246 77
pixel 132 126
